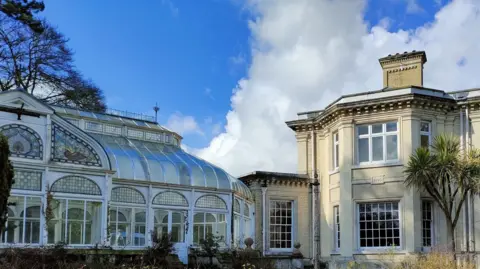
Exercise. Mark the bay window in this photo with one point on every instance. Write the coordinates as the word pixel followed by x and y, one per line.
pixel 281 225
pixel 377 143
pixel 378 224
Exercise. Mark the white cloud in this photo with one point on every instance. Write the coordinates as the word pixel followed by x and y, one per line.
pixel 307 53
pixel 183 124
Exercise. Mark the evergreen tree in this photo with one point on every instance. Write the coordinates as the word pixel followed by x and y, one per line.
pixel 22 11
pixel 6 180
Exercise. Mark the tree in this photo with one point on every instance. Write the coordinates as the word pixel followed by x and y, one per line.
pixel 43 65
pixel 6 180
pixel 22 11
pixel 447 175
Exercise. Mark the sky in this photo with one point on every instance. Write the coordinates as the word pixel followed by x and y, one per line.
pixel 227 74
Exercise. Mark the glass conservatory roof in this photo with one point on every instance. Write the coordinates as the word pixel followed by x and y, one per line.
pixel 143 160
pixel 114 116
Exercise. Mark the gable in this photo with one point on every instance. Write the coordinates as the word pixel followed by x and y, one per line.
pixel 21 99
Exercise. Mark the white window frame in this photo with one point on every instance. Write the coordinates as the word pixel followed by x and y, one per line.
pixel 371 135
pixel 133 224
pixel 23 221
pixel 336 228
pixel 429 133
pixel 432 224
pixel 292 224
pixel 75 197
pixel 357 223
pixel 336 150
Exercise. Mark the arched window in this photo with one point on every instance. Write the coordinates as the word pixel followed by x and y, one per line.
pixel 246 210
pixel 236 206
pixel 170 198
pixel 131 231
pixel 127 195
pixel 24 142
pixel 74 220
pixel 210 201
pixel 76 184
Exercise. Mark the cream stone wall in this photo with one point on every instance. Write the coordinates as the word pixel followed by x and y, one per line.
pixel 353 183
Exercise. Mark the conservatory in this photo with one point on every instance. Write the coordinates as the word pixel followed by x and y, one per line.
pixel 114 179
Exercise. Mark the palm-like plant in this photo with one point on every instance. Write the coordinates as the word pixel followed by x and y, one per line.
pixel 447 174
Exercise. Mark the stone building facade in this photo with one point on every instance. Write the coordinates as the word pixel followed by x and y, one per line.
pixel 356 148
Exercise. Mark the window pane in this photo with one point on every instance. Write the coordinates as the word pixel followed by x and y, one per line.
pixel 391 127
pixel 336 155
pixel 377 148
pixel 363 129
pixel 424 141
pixel 140 227
pixel 392 147
pixel 281 227
pixel 427 222
pixel 363 150
pixel 178 226
pixel 55 223
pixel 93 223
pixel 377 128
pixel 379 231
pixel 425 127
pixel 160 222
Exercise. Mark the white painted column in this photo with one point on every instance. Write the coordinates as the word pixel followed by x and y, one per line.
pixel 264 219
pixel 149 216
pixel 107 189
pixel 191 204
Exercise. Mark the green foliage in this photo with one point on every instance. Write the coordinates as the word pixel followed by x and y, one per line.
pixel 22 11
pixel 211 245
pixel 446 174
pixel 6 180
pixel 161 249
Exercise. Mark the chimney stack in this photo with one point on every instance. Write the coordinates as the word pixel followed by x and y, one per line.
pixel 403 69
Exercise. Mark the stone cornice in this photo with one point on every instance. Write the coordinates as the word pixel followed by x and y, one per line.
pixel 370 107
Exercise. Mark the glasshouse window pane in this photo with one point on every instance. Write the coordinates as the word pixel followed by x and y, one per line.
pixel 127 195
pixel 56 232
pixel 236 231
pixel 8 235
pixel 170 198
pixel 140 227
pixel 210 201
pixel 178 226
pixel 236 206
pixel 74 224
pixel 208 223
pixel 32 222
pixel 246 228
pixel 24 227
pixel 121 233
pixel 197 176
pixel 93 222
pixel 161 222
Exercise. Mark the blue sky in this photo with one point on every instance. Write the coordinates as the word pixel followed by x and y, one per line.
pixel 186 55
